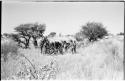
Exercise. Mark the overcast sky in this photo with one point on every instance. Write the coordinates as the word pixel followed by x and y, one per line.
pixel 63 17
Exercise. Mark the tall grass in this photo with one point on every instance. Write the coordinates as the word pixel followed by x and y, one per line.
pixel 8 48
pixel 9 51
pixel 102 60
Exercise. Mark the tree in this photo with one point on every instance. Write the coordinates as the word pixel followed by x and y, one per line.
pixel 23 31
pixel 52 34
pixel 79 36
pixel 94 31
pixel 36 32
pixel 30 30
pixel 121 33
pixel 18 39
pixel 6 35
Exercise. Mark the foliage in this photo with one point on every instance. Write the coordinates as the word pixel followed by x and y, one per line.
pixel 94 31
pixel 37 31
pixel 23 31
pixel 30 30
pixel 121 33
pixel 16 38
pixel 79 36
pixel 52 34
pixel 6 35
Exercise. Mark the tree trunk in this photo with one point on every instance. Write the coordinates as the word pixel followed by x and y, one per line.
pixel 35 42
pixel 27 42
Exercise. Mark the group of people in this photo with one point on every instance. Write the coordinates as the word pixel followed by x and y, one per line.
pixel 57 47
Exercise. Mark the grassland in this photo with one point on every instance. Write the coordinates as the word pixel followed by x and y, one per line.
pixel 101 60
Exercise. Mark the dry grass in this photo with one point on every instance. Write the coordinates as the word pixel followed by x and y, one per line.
pixel 100 60
pixel 8 48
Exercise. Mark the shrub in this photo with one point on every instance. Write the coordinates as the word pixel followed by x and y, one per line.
pixel 79 36
pixel 8 47
pixel 94 31
pixel 52 34
pixel 121 33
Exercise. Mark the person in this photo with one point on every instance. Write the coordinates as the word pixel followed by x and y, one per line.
pixel 74 47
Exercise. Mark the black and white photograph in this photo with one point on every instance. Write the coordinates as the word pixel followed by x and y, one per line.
pixel 62 40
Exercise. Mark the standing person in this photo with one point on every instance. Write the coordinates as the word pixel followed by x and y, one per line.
pixel 74 46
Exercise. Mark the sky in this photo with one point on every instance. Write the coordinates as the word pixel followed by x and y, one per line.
pixel 63 17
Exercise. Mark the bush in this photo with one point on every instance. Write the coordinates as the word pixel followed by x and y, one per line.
pixel 79 36
pixel 94 31
pixel 52 34
pixel 121 33
pixel 8 47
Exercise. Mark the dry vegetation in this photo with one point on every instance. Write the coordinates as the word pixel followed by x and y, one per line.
pixel 100 60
